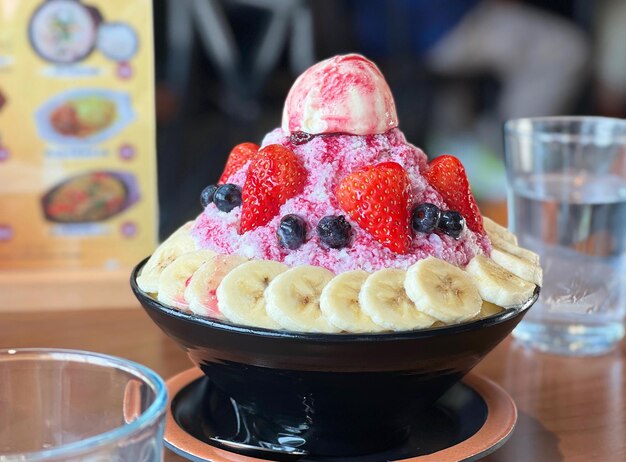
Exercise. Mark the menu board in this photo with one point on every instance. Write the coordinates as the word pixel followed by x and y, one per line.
pixel 77 135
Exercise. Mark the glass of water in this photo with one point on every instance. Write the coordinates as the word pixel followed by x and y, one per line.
pixel 567 202
pixel 77 406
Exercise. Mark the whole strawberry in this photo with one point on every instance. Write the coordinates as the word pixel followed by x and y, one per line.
pixel 237 158
pixel 378 198
pixel 447 175
pixel 275 175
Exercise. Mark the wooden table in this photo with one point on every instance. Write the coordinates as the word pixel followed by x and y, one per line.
pixel 570 409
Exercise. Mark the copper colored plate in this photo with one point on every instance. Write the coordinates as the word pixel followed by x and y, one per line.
pixel 501 418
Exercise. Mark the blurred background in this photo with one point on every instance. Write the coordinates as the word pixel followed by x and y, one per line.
pixel 458 70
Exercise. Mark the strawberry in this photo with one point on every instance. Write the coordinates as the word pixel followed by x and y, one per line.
pixel 275 175
pixel 378 198
pixel 447 175
pixel 237 158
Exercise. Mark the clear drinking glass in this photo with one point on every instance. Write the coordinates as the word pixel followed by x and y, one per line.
pixel 71 406
pixel 567 202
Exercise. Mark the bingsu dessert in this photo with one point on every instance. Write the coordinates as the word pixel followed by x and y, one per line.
pixel 337 224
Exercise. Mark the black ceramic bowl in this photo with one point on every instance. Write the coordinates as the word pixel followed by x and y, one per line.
pixel 336 394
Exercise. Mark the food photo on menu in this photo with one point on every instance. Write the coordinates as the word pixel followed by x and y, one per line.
pixel 324 231
pixel 85 115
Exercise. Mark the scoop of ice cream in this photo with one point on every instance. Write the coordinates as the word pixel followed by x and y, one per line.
pixel 343 94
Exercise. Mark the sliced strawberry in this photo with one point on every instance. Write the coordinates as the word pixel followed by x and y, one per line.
pixel 378 198
pixel 237 158
pixel 275 175
pixel 447 175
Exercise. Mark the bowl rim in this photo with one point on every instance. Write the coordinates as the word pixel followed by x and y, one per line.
pixel 152 414
pixel 145 298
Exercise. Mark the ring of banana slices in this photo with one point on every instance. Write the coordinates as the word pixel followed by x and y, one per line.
pixel 269 294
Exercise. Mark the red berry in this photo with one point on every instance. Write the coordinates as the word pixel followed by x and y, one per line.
pixel 237 158
pixel 447 175
pixel 275 175
pixel 378 198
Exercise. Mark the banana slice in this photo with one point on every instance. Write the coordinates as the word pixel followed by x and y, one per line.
pixel 200 293
pixel 176 276
pixel 178 243
pixel 489 309
pixel 517 251
pixel 293 299
pixel 339 302
pixel 240 295
pixel 384 299
pixel 496 284
pixel 498 233
pixel 502 239
pixel 525 269
pixel 442 291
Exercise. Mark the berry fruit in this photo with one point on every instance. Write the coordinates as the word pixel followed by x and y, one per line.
pixel 237 158
pixel 451 223
pixel 274 176
pixel 378 198
pixel 291 232
pixel 334 231
pixel 447 175
pixel 299 138
pixel 425 217
pixel 227 197
pixel 206 196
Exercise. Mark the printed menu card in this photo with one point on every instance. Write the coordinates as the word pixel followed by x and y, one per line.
pixel 77 135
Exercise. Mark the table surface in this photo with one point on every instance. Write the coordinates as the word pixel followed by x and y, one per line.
pixel 570 409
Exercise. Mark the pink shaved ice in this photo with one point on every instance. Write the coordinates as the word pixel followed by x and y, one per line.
pixel 328 159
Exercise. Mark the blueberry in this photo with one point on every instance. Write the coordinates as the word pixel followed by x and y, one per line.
pixel 452 223
pixel 207 194
pixel 299 138
pixel 291 232
pixel 425 217
pixel 334 231
pixel 227 197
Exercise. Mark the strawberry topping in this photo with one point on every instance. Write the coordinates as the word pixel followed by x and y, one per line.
pixel 275 175
pixel 447 175
pixel 378 198
pixel 237 158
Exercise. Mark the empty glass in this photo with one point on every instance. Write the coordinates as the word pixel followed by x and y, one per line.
pixel 567 202
pixel 71 406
